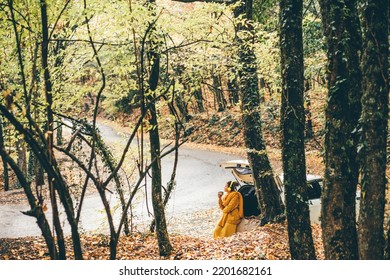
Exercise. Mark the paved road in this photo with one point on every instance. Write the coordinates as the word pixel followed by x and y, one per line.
pixel 199 178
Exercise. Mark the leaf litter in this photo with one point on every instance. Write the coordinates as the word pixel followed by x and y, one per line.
pixel 269 242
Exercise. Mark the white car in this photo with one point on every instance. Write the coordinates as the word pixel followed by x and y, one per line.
pixel 242 172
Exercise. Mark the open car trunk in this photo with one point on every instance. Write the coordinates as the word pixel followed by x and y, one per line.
pixel 243 174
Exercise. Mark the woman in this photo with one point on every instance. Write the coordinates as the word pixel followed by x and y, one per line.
pixel 231 204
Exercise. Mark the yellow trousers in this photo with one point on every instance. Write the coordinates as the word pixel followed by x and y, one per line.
pixel 225 231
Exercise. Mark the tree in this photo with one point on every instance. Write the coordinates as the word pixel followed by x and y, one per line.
pixel 268 194
pixel 50 135
pixel 338 209
pixel 232 85
pixel 374 126
pixel 164 244
pixel 21 118
pixel 293 126
pixel 3 159
pixel 218 92
pixel 18 118
pixel 22 155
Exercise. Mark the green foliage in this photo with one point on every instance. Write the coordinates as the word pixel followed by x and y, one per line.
pixel 195 45
pixel 268 56
pixel 266 12
pixel 314 48
pixel 313 39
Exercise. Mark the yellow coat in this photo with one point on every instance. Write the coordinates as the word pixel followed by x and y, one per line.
pixel 232 213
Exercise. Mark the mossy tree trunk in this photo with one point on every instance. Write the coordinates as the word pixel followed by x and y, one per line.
pixel 338 210
pixel 374 121
pixel 268 194
pixel 165 247
pixel 164 244
pixel 293 127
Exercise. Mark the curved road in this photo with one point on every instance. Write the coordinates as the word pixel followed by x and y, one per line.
pixel 198 179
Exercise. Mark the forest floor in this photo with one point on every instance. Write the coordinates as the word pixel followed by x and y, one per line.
pixel 191 240
pixel 269 242
pixel 219 132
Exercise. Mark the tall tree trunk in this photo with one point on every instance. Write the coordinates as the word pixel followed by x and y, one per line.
pixel 308 120
pixel 338 210
pixel 50 127
pixel 35 170
pixel 232 85
pixel 55 180
pixel 375 116
pixel 293 126
pixel 22 155
pixel 165 247
pixel 60 138
pixel 172 183
pixel 197 92
pixel 164 244
pixel 181 104
pixel 114 237
pixel 268 193
pixel 4 159
pixel 217 88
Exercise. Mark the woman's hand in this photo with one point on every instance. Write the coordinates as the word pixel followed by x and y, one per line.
pixel 220 194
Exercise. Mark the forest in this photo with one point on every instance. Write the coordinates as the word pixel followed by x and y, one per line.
pixel 122 103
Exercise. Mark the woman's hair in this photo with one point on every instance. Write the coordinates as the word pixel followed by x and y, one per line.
pixel 232 185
